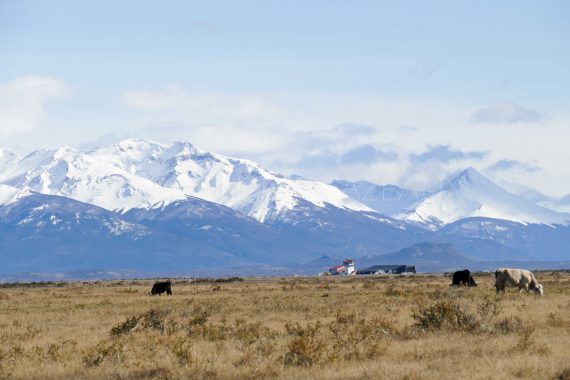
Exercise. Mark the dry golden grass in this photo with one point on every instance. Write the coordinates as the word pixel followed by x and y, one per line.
pixel 289 328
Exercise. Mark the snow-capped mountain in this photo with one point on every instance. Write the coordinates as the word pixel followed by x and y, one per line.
pixel 87 177
pixel 6 158
pixel 470 194
pixel 143 174
pixel 144 206
pixel 386 199
pixel 7 193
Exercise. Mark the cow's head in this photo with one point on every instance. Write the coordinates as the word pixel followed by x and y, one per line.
pixel 471 282
pixel 536 288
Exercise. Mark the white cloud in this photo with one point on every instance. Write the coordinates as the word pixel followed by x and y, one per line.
pixel 294 132
pixel 244 142
pixel 513 165
pixel 506 113
pixel 23 102
pixel 172 96
pixel 445 154
pixel 226 105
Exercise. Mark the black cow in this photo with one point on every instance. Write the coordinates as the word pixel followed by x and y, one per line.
pixel 463 277
pixel 161 287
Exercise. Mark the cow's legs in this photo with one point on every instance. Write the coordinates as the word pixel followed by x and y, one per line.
pixel 499 286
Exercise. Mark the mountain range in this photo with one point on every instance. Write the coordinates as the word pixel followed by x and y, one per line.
pixel 144 207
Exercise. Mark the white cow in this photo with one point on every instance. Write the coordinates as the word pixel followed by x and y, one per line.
pixel 517 278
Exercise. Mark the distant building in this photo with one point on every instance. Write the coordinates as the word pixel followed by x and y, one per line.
pixel 388 269
pixel 350 266
pixel 337 270
pixel 347 268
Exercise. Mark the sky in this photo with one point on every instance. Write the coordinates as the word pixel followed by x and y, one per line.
pixel 401 92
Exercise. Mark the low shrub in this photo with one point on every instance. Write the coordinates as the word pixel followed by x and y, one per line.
pixel 449 314
pixel 305 348
pixel 154 319
pixel 125 327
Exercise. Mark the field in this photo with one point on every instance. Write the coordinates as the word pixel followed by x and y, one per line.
pixel 287 328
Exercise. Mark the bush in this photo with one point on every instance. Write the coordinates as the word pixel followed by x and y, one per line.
pixel 449 314
pixel 247 333
pixel 126 326
pixel 304 349
pixel 439 316
pixel 154 319
pixel 357 338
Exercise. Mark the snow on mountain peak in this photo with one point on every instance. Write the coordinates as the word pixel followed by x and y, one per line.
pixel 136 173
pixel 470 194
pixel 66 152
pixel 6 158
pixel 6 155
pixel 467 177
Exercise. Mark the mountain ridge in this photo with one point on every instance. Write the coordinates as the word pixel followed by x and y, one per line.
pixel 136 173
pixel 470 194
pixel 175 206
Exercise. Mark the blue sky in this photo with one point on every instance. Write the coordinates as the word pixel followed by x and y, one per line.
pixel 294 84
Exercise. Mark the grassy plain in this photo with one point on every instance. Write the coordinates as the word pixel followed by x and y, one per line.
pixel 288 328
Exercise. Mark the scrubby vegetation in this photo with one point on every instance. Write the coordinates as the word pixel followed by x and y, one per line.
pixel 360 327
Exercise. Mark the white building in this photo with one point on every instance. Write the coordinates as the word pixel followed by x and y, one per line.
pixel 348 268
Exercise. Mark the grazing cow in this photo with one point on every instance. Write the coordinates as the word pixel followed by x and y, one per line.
pixel 161 287
pixel 463 277
pixel 517 278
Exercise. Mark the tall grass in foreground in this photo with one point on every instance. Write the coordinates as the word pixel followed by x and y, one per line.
pixel 370 327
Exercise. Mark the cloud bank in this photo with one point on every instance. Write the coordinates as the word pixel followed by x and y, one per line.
pixel 445 154
pixel 505 113
pixel 23 102
pixel 510 165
